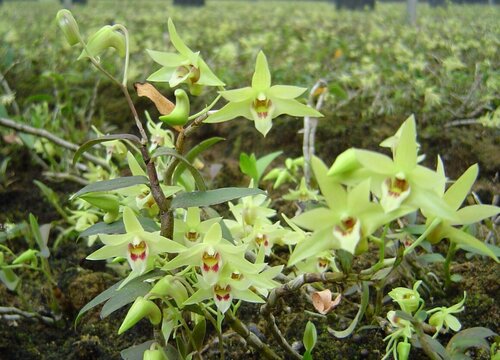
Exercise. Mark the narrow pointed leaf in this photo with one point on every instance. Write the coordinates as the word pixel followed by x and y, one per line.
pixel 118 227
pixel 113 184
pixel 462 238
pixel 193 153
pixel 196 174
pixel 37 234
pixel 212 197
pixel 364 302
pixel 263 162
pixel 136 352
pixel 87 145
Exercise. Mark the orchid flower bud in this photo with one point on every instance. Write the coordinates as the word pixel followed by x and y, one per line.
pixel 29 256
pixel 141 308
pixel 408 299
pixel 69 26
pixel 169 286
pixel 153 355
pixel 178 116
pixel 105 38
pixel 403 350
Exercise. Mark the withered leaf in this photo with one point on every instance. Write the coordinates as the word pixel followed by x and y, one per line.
pixel 163 105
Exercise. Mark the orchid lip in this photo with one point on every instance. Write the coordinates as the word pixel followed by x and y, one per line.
pixel 222 293
pixel 261 107
pixel 262 239
pixel 210 262
pixel 137 251
pixel 192 235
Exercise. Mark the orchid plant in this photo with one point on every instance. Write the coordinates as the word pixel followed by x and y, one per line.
pixel 192 263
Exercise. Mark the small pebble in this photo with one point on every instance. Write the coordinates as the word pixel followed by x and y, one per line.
pixel 364 353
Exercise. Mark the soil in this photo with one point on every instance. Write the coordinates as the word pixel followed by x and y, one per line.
pixel 78 281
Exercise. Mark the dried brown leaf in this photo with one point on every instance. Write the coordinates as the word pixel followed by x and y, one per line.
pixel 163 105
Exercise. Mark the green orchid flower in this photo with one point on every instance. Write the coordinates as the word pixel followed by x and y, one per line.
pixel 302 193
pixel 184 67
pixel 159 137
pixel 321 262
pixel 408 299
pixel 114 148
pixel 211 255
pixel 397 182
pixel 191 230
pixel 139 196
pixel 347 221
pixel 442 317
pixel 252 209
pixel 233 284
pixel 454 197
pixel 138 246
pixel 264 235
pixel 262 102
pixel 401 330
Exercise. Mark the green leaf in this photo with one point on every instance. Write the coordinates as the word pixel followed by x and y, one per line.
pixel 310 336
pixel 196 174
pixel 431 258
pixel 113 184
pixel 212 197
pixel 264 162
pixel 193 153
pixel 9 279
pixel 112 292
pixel 248 166
pixel 435 346
pixel 136 352
pixel 87 145
pixel 198 333
pixel 473 337
pixel 126 295
pixel 118 227
pixel 364 302
pixel 462 238
pixel 41 238
pixel 338 91
pixel 307 355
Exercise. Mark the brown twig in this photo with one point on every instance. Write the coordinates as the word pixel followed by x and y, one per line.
pixel 12 313
pixel 51 137
pixel 250 337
